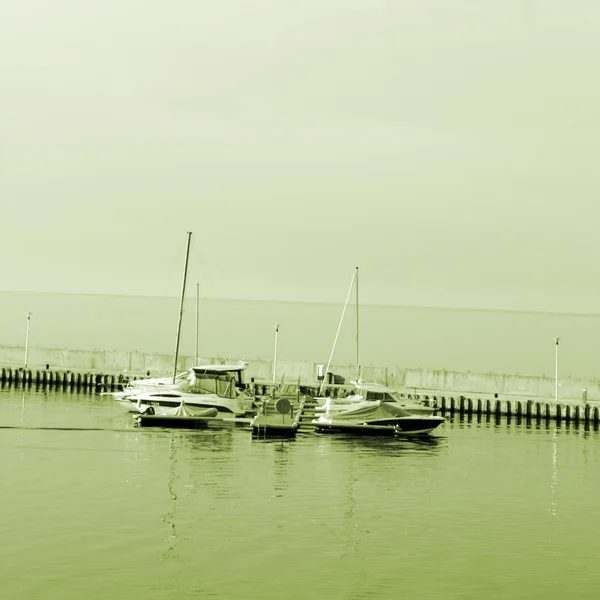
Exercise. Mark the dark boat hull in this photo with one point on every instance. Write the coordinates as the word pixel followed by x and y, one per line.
pixel 405 426
pixel 174 422
pixel 261 431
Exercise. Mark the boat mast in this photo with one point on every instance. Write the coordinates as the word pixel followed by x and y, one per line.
pixel 276 327
pixel 187 255
pixel 357 354
pixel 338 330
pixel 197 322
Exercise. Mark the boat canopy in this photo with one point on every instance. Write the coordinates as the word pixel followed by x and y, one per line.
pixel 224 385
pixel 382 410
pixel 201 369
pixel 374 392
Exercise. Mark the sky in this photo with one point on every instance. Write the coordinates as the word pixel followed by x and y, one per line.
pixel 448 149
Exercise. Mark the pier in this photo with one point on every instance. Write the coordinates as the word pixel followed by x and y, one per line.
pixel 74 380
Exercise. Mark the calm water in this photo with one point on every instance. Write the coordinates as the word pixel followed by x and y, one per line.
pixel 92 507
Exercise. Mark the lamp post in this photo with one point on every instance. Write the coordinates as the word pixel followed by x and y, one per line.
pixel 556 339
pixel 275 354
pixel 27 338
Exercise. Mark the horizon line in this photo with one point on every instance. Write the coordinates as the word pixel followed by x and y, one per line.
pixel 277 300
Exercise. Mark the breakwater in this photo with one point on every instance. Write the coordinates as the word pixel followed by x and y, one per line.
pixel 529 410
pixel 432 382
pixel 62 379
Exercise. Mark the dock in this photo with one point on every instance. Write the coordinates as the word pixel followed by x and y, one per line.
pixel 65 379
pixel 278 417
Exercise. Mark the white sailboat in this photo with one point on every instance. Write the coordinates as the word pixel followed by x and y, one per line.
pixel 210 386
pixel 141 386
pixel 371 408
pixel 370 392
pixel 218 387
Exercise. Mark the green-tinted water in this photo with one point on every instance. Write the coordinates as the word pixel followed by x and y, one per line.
pixel 92 507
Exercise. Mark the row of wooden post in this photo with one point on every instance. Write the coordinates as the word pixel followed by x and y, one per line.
pixel 68 379
pixel 529 409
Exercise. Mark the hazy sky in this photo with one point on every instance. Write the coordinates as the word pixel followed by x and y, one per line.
pixel 449 149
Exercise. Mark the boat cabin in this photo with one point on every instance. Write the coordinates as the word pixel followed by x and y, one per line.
pixel 374 393
pixel 222 383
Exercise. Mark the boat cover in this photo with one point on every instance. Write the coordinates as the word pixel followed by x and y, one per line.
pixel 372 411
pixel 183 410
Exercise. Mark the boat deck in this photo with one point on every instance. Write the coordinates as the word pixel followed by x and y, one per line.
pixel 270 422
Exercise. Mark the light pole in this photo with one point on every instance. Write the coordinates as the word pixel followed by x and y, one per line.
pixel 275 354
pixel 27 337
pixel 556 339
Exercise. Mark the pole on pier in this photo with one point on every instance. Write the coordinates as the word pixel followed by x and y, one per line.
pixel 556 339
pixel 27 338
pixel 275 353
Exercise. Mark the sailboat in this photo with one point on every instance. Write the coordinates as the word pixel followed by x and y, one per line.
pixel 156 384
pixel 371 408
pixel 215 387
pixel 140 386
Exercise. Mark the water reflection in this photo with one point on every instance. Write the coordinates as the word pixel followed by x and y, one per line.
pixel 553 503
pixel 512 422
pixel 281 467
pixel 219 439
pixel 169 517
pixel 389 446
pixel 22 422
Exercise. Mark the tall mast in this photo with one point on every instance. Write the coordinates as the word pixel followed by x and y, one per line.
pixel 275 354
pixel 348 296
pixel 357 346
pixel 187 255
pixel 197 322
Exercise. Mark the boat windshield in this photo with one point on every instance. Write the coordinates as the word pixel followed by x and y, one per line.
pixel 386 396
pixel 221 385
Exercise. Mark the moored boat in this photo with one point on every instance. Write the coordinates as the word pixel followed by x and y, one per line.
pixel 369 392
pixel 279 414
pixel 376 417
pixel 209 386
pixel 182 417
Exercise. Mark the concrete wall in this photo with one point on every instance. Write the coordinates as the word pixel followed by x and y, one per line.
pixel 138 363
pixel 490 383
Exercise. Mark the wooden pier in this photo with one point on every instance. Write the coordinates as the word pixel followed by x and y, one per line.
pixel 74 380
pixel 568 410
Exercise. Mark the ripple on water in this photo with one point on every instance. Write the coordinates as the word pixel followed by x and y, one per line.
pixel 93 507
